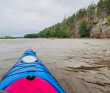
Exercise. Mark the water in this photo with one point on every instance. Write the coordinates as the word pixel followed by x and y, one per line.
pixel 71 61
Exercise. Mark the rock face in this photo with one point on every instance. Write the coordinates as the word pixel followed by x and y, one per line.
pixel 105 32
pixel 101 29
pixel 75 30
pixel 97 23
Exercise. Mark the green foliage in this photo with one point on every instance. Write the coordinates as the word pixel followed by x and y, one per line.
pixel 91 9
pixel 100 4
pixel 84 30
pixel 7 37
pixel 81 13
pixel 31 36
pixel 104 5
pixel 70 20
pixel 56 30
pixel 59 30
pixel 107 5
pixel 109 20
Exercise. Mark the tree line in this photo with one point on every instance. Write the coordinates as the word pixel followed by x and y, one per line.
pixel 62 30
pixel 7 37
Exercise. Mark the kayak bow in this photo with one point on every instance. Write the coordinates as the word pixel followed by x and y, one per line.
pixel 29 75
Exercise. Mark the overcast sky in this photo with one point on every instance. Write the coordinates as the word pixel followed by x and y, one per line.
pixel 20 17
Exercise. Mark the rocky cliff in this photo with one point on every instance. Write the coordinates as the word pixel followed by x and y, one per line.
pixel 98 25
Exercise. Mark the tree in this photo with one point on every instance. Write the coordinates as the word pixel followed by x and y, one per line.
pixel 107 5
pixel 109 20
pixel 83 29
pixel 57 30
pixel 31 36
pixel 91 9
pixel 100 4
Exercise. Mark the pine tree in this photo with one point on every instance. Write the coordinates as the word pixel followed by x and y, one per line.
pixel 83 29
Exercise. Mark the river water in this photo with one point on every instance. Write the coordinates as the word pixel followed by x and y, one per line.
pixel 79 65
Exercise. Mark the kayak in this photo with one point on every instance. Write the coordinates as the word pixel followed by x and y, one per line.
pixel 29 75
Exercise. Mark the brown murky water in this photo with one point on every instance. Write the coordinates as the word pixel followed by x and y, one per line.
pixel 79 65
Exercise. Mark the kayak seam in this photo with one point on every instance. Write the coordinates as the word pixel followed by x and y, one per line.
pixel 25 67
pixel 24 72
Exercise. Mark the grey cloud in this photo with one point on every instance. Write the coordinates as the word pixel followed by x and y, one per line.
pixel 19 17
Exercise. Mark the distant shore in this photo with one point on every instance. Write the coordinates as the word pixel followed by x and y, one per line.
pixel 66 38
pixel 7 37
pixel 10 37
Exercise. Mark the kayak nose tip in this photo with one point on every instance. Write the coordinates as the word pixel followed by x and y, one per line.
pixel 29 48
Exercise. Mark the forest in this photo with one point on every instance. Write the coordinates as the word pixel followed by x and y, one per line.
pixel 62 29
pixel 7 37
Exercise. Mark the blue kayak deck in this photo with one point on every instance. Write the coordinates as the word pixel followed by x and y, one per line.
pixel 22 70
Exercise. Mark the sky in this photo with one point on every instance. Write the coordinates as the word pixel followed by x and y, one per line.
pixel 20 17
